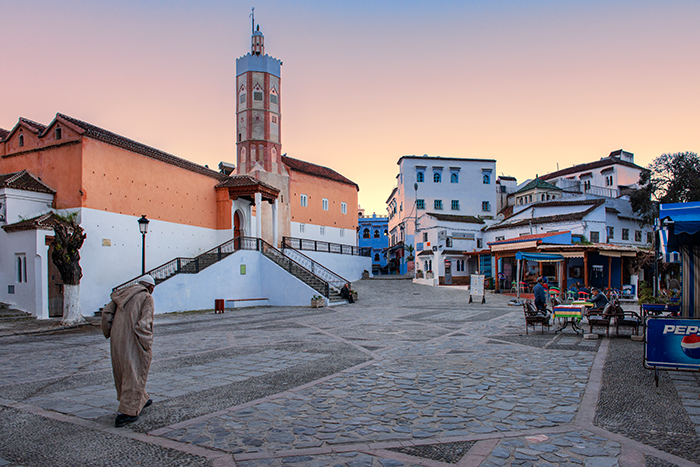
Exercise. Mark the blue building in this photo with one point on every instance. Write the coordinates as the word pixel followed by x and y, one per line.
pixel 373 233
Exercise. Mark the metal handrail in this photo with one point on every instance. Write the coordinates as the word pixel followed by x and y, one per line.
pixel 180 265
pixel 294 268
pixel 316 268
pixel 327 247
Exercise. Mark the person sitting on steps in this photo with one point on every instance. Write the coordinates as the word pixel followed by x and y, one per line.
pixel 345 293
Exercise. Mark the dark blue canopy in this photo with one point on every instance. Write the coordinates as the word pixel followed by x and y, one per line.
pixel 543 257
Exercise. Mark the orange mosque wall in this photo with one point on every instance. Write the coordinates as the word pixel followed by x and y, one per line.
pixel 56 163
pixel 317 188
pixel 124 182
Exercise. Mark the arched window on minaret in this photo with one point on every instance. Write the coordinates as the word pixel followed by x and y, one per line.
pixel 274 98
pixel 241 94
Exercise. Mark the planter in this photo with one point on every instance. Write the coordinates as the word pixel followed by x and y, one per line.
pixel 354 296
pixel 318 303
pixel 365 275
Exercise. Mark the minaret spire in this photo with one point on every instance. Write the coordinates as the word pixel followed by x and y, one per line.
pixel 257 42
pixel 252 16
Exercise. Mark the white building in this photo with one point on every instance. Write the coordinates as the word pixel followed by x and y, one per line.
pixel 440 185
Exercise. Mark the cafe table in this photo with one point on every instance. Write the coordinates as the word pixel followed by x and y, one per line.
pixel 571 315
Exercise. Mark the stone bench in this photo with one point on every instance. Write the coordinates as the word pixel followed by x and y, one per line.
pixel 247 302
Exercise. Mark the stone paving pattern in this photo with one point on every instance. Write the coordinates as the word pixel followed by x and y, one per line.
pixel 410 375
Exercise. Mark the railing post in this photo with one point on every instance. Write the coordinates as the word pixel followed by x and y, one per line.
pixel 315 245
pixel 219 252
pixel 178 266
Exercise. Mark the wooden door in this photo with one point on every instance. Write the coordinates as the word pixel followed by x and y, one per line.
pixel 237 232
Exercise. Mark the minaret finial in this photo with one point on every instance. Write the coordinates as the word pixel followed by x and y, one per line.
pixel 252 16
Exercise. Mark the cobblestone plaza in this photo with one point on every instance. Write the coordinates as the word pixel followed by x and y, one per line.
pixel 410 375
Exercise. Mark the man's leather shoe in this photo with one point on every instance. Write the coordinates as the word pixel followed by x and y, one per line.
pixel 123 419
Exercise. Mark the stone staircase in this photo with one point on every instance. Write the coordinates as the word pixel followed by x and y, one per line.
pixel 8 313
pixel 325 286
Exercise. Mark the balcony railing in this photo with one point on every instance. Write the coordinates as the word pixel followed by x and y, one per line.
pixel 326 247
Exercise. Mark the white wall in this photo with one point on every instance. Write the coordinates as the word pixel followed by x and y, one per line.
pixel 332 235
pixel 346 266
pixel 21 204
pixel 28 295
pixel 111 254
pixel 223 280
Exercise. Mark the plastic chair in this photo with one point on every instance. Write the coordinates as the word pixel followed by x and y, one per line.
pixel 583 295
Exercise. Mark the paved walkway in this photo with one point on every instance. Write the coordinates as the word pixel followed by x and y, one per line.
pixel 410 375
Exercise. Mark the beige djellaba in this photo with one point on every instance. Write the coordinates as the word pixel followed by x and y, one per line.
pixel 128 322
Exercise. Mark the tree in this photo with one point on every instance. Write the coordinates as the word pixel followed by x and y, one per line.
pixel 671 178
pixel 68 240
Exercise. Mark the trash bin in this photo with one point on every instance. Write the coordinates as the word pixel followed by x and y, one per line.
pixel 219 305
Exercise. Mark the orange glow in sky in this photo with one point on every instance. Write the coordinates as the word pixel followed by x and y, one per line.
pixel 535 85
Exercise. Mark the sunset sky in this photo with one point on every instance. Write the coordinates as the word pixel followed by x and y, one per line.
pixel 535 85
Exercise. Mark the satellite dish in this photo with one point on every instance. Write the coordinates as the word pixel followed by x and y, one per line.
pixel 500 217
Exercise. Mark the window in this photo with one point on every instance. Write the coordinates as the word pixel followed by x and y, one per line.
pixel 420 204
pixel 625 234
pixel 455 205
pixel 608 180
pixel 401 207
pixel 342 232
pixel 365 233
pixel 21 268
pixel 376 257
pixel 595 237
pixel 58 134
pixel 437 178
pixel 241 98
pixel 586 185
pixel 344 208
pixel 273 99
pixel 425 236
pixel 650 237
pixel 479 242
pixel 500 238
pixel 324 201
pixel 304 200
pixel 21 141
pixel 322 230
pixel 376 233
pixel 638 236
pixel 438 204
pixel 485 206
pixel 302 228
pixel 611 233
pixel 420 177
pixel 448 242
pixel 257 96
pixel 487 179
pixel 454 177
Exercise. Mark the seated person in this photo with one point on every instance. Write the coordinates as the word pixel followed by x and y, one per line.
pixel 598 299
pixel 345 293
pixel 540 297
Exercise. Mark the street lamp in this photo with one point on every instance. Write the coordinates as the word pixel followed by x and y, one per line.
pixel 143 228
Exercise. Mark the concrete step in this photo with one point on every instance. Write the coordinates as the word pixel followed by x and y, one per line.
pixel 10 314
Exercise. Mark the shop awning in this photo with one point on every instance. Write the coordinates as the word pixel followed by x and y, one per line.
pixel 540 257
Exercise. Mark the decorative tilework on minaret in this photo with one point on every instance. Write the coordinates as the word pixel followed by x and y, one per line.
pixel 258 122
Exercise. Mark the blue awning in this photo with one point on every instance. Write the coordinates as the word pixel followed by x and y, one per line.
pixel 541 257
pixel 684 216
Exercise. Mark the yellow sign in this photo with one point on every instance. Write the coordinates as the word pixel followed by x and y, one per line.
pixel 106 242
pixel 242 269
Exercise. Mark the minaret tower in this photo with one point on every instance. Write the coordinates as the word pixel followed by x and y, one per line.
pixel 258 143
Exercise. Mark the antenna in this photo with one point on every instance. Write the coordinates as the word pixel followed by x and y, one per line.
pixel 252 16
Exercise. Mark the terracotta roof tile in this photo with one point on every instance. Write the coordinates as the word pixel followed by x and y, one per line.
pixel 316 170
pixel 114 139
pixel 37 126
pixel 455 218
pixel 538 183
pixel 23 180
pixel 590 165
pixel 42 222
pixel 244 180
pixel 526 238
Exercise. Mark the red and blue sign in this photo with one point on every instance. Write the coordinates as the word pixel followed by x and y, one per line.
pixel 672 344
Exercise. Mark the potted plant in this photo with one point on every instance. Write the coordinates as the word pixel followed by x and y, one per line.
pixel 649 304
pixel 318 301
pixel 365 274
pixel 354 295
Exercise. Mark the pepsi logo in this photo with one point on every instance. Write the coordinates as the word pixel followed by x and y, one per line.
pixel 690 345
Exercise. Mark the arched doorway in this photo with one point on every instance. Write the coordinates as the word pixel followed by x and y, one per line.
pixel 237 228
